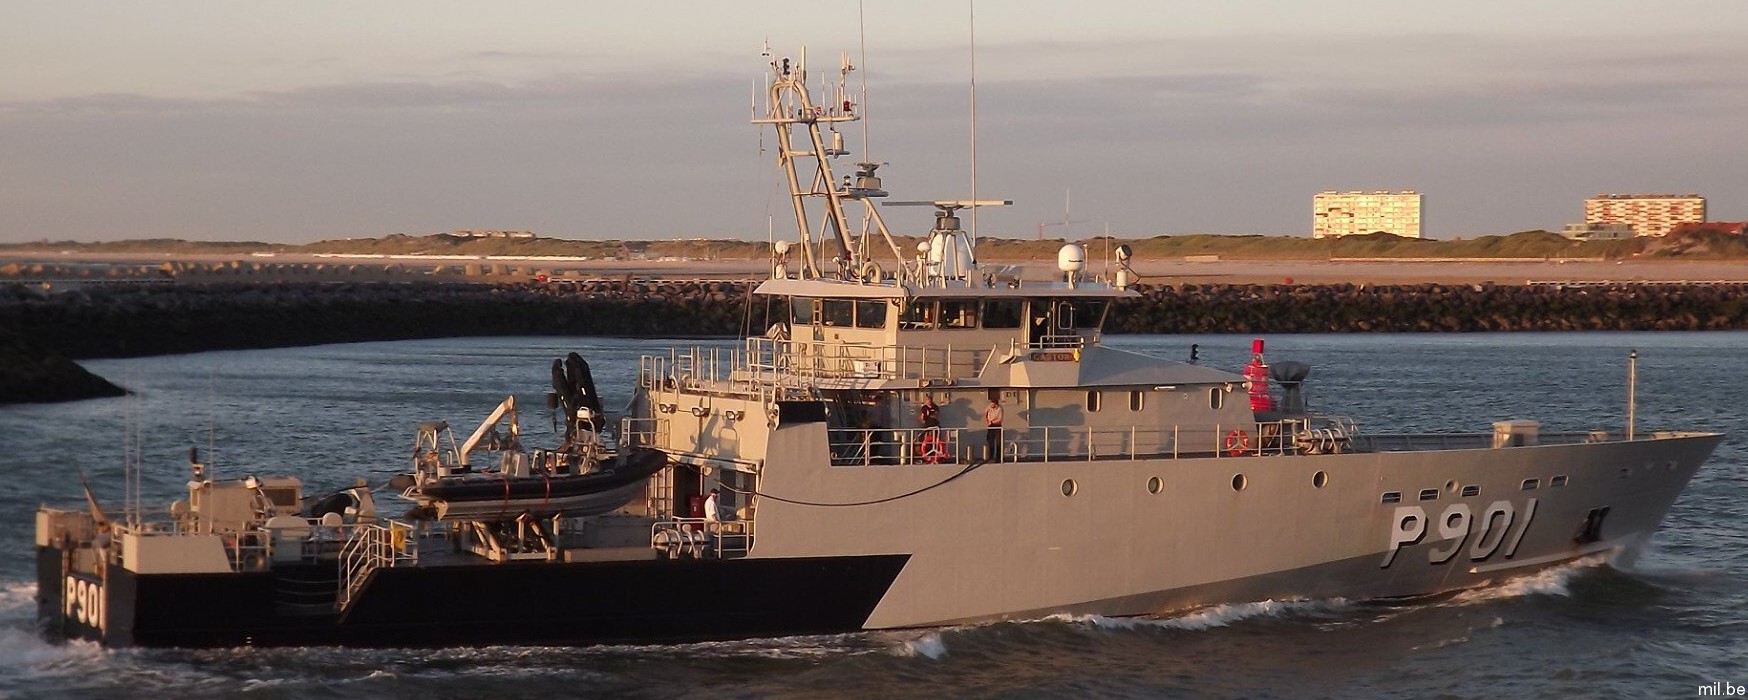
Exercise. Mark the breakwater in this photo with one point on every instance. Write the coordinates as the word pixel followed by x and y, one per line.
pixel 149 319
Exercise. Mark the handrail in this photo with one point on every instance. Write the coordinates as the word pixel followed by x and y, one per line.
pixel 373 546
pixel 859 447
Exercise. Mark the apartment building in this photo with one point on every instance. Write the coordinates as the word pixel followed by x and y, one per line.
pixel 1649 214
pixel 1357 213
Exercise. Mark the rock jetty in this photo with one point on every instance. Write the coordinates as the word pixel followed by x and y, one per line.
pixel 149 319
pixel 30 373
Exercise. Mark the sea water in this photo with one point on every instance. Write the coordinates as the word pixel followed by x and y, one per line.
pixel 1662 623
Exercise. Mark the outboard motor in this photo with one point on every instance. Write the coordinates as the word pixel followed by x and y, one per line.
pixel 1291 376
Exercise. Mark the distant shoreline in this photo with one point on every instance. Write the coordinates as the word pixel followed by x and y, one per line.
pixel 16 266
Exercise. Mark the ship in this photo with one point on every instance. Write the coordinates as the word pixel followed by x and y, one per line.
pixel 920 442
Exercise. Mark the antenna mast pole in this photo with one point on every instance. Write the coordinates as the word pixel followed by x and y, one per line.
pixel 971 245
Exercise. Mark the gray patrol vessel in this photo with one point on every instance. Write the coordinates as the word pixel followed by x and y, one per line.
pixel 922 442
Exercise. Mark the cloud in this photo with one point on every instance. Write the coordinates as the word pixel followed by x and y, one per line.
pixel 1190 135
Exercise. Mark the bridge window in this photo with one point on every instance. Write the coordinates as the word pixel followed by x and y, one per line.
pixel 1001 313
pixel 801 311
pixel 920 314
pixel 1089 314
pixel 871 313
pixel 958 313
pixel 837 312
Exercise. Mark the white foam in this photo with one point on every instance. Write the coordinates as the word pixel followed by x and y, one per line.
pixel 929 646
pixel 1551 581
pixel 1209 617
pixel 17 599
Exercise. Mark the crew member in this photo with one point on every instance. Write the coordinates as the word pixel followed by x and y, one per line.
pixel 929 414
pixel 710 507
pixel 992 439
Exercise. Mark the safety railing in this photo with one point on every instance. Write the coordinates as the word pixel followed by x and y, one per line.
pixel 1420 442
pixel 642 432
pixel 856 447
pixel 372 547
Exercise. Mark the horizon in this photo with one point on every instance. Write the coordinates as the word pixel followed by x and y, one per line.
pixel 322 120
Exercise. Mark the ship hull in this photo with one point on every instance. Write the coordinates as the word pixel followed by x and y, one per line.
pixel 1375 525
pixel 1094 537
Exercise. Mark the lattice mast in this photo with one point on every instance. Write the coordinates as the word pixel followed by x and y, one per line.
pixel 805 157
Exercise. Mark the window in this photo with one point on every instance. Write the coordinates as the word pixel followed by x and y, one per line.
pixel 1531 484
pixel 1137 400
pixel 1216 398
pixel 836 312
pixel 1471 490
pixel 920 314
pixel 871 313
pixel 1001 313
pixel 801 311
pixel 1391 497
pixel 1089 313
pixel 1558 481
pixel 959 313
pixel 1093 399
pixel 1429 494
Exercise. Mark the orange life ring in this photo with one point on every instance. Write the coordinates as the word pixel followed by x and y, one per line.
pixel 1237 443
pixel 930 449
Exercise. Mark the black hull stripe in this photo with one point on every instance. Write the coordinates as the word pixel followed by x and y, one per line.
pixel 491 604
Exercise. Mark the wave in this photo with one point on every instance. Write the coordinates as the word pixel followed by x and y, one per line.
pixel 1554 581
pixel 1222 615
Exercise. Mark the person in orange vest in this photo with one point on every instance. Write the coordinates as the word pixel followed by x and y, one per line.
pixel 1258 374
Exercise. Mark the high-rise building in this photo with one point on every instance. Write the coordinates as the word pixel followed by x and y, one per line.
pixel 1357 213
pixel 1649 214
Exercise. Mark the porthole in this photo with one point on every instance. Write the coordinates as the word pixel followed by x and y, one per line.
pixel 1155 485
pixel 1239 482
pixel 1451 486
pixel 1320 479
pixel 1069 488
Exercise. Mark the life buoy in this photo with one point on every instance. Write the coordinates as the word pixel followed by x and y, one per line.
pixel 929 448
pixel 1237 443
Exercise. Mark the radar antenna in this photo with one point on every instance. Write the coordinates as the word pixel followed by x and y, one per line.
pixel 949 252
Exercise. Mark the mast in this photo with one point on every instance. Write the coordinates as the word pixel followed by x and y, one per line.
pixel 789 106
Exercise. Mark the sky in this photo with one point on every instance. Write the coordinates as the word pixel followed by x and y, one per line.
pixel 300 121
